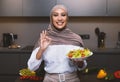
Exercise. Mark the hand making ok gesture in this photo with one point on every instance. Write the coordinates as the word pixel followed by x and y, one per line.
pixel 44 40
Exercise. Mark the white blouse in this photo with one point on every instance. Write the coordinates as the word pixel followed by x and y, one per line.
pixel 56 61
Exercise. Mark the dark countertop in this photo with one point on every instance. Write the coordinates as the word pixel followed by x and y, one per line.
pixel 28 49
pixel 83 78
pixel 86 77
pixel 107 50
pixel 92 78
pixel 18 80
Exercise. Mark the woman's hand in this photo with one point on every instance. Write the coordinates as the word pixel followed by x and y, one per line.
pixel 80 64
pixel 44 43
pixel 44 40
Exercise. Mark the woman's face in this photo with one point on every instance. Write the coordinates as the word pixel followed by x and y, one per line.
pixel 59 18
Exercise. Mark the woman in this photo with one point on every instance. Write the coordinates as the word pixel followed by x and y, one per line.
pixel 52 47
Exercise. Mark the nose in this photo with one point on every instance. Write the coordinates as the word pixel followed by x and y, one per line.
pixel 59 17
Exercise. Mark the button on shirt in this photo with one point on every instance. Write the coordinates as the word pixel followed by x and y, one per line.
pixel 56 60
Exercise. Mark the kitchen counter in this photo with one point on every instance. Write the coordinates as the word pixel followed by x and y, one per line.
pixel 18 80
pixel 84 78
pixel 18 59
pixel 92 78
pixel 28 49
pixel 107 50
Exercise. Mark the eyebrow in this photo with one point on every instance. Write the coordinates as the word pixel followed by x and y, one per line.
pixel 57 13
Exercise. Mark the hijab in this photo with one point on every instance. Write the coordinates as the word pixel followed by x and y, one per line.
pixel 62 37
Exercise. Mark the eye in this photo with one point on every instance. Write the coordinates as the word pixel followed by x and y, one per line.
pixel 63 14
pixel 55 14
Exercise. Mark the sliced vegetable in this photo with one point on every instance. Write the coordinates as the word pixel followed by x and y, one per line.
pixel 101 74
pixel 31 78
pixel 79 53
pixel 109 77
pixel 27 72
pixel 90 70
pixel 117 74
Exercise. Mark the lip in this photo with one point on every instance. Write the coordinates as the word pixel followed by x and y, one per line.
pixel 60 23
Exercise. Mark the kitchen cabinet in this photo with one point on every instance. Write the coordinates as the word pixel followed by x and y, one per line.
pixel 104 58
pixel 107 61
pixel 83 78
pixel 10 7
pixel 85 7
pixel 113 8
pixel 37 7
pixel 9 63
pixel 9 67
pixel 7 78
pixel 23 60
pixel 75 7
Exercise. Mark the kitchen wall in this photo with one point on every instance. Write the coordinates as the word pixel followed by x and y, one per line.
pixel 28 28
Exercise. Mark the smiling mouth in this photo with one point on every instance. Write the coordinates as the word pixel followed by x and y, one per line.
pixel 60 23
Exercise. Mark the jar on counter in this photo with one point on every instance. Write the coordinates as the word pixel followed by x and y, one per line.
pixel 102 43
pixel 101 40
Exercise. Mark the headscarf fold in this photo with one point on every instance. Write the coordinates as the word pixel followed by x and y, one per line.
pixel 62 37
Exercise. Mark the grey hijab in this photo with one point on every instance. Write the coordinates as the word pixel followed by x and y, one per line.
pixel 62 37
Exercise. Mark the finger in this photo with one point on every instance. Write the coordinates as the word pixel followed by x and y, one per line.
pixel 48 39
pixel 41 37
pixel 43 34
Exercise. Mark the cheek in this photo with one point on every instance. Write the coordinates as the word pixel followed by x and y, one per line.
pixel 53 20
pixel 65 20
pixel 54 23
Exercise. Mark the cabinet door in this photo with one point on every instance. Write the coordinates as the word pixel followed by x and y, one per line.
pixel 108 61
pixel 37 7
pixel 10 7
pixel 9 63
pixel 85 7
pixel 23 60
pixel 7 78
pixel 113 8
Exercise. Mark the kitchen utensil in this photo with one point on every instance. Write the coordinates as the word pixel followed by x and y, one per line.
pixel 100 38
pixel 97 31
pixel 7 39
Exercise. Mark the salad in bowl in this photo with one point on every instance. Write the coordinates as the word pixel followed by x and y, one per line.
pixel 79 54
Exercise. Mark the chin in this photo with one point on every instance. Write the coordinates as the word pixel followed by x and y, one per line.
pixel 60 28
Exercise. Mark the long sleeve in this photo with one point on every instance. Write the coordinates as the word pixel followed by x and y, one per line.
pixel 33 63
